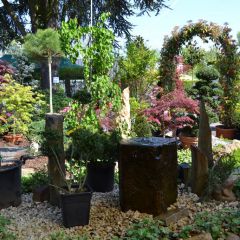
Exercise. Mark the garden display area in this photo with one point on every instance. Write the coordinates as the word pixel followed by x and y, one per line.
pixel 148 147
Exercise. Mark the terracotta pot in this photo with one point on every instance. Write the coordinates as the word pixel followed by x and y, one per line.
pixel 13 138
pixel 188 141
pixel 223 132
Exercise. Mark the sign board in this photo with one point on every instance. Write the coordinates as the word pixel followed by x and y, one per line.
pixel 55 79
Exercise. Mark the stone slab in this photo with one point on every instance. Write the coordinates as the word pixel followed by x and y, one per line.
pixel 173 216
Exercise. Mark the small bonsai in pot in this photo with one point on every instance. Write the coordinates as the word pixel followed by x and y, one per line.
pixel 75 195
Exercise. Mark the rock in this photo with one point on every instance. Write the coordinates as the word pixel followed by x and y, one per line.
pixel 148 174
pixel 27 171
pixel 124 117
pixel 224 192
pixel 205 135
pixel 41 194
pixel 203 236
pixel 232 236
pixel 199 173
pixel 173 216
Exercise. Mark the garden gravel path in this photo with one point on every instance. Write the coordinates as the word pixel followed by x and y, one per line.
pixel 36 221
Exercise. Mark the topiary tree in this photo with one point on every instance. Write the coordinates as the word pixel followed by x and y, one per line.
pixel 44 44
pixel 207 88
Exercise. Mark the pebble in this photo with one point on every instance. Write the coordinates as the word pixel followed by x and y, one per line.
pixel 36 221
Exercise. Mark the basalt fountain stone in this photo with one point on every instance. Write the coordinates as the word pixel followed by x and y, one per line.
pixel 148 174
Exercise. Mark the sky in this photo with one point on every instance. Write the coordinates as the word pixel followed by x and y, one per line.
pixel 154 28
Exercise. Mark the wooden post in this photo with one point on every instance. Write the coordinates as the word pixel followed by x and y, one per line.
pixel 56 157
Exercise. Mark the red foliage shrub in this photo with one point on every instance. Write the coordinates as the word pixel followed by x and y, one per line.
pixel 174 109
pixel 5 68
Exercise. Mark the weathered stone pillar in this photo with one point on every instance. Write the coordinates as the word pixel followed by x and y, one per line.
pixel 124 118
pixel 148 174
pixel 56 157
pixel 199 173
pixel 205 135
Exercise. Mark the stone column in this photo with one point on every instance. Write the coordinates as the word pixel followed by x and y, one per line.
pixel 124 118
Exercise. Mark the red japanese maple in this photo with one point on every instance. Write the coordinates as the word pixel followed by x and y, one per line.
pixel 174 109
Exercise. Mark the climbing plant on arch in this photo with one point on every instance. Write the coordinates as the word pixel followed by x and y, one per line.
pixel 228 60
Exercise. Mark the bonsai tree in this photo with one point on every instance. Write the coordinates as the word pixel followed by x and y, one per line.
pixel 208 87
pixel 44 44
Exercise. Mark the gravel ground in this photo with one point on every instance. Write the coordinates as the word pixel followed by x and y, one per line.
pixel 36 221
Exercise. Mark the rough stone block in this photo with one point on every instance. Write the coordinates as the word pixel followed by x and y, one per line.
pixel 203 236
pixel 41 194
pixel 173 216
pixel 148 174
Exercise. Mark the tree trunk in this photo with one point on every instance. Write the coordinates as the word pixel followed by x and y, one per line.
pixel 44 82
pixel 68 87
pixel 56 157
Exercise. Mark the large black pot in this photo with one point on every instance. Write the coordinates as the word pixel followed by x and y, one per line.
pixel 76 208
pixel 10 184
pixel 100 177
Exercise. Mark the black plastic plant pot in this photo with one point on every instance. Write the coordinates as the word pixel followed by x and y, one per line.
pixel 10 184
pixel 76 208
pixel 100 177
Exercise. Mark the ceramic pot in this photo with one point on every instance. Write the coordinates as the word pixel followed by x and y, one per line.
pixel 186 142
pixel 223 132
pixel 13 138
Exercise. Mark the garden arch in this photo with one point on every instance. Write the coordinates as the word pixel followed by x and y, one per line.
pixel 227 62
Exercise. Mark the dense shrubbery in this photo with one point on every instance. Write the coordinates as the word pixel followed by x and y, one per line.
pixel 4 233
pixel 184 156
pixel 60 101
pixel 19 105
pixel 71 73
pixel 29 183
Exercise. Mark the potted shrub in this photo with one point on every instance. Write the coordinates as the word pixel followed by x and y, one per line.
pixel 75 200
pixel 87 120
pixel 100 150
pixel 75 195
pixel 230 87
